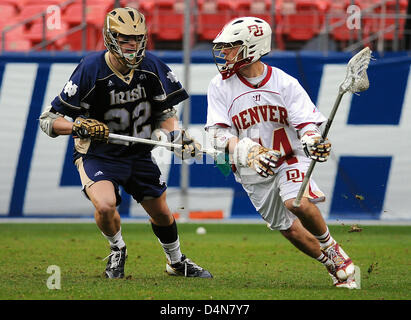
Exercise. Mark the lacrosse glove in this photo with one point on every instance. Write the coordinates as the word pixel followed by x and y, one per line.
pixel 84 128
pixel 190 147
pixel 315 147
pixel 251 154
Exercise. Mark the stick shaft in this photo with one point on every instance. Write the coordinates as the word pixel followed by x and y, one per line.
pixel 297 201
pixel 211 152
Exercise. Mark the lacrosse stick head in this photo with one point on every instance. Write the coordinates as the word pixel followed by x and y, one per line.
pixel 356 79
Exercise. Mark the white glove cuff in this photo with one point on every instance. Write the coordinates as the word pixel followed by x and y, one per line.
pixel 309 127
pixel 241 151
pixel 310 139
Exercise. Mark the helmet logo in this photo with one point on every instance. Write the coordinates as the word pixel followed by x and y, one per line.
pixel 258 31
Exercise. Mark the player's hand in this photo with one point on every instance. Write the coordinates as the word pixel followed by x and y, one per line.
pixel 263 160
pixel 315 147
pixel 84 128
pixel 190 147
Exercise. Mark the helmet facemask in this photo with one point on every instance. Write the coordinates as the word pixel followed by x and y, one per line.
pixel 228 68
pixel 127 57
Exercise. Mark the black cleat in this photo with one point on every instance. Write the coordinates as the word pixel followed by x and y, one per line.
pixel 115 263
pixel 187 268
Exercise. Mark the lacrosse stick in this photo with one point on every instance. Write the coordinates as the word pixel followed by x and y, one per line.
pixel 112 136
pixel 356 80
pixel 218 156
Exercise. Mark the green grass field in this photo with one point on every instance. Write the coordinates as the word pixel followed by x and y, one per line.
pixel 249 262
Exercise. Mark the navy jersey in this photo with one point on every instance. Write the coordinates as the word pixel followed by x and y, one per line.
pixel 128 104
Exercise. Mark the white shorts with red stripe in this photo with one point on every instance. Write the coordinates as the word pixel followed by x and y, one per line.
pixel 268 196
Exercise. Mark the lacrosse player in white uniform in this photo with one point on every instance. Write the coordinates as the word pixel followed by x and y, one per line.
pixel 267 123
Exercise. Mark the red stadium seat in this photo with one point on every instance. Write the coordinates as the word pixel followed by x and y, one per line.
pixel 13 35
pixel 257 8
pixel 8 10
pixel 338 21
pixel 35 35
pixel 18 45
pixel 95 14
pixel 212 16
pixel 302 19
pixel 167 20
pixel 380 23
pixel 31 10
pixel 18 4
pixel 262 9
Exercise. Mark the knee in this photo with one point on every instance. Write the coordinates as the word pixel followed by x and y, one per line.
pixel 289 234
pixel 105 209
pixel 298 211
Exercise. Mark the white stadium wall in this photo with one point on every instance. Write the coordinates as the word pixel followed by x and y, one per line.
pixel 367 177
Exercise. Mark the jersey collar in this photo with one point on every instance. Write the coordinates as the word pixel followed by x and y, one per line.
pixel 126 78
pixel 259 85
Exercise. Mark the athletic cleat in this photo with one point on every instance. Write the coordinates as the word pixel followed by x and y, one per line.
pixel 349 283
pixel 187 268
pixel 115 263
pixel 343 265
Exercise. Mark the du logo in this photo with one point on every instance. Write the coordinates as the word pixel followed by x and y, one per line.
pixel 258 31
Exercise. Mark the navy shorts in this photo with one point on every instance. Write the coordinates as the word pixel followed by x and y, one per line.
pixel 140 178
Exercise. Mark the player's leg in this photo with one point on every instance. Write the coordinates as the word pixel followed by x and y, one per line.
pixel 313 221
pixel 104 196
pixel 165 228
pixel 290 179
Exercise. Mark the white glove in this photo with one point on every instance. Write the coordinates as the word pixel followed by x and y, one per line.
pixel 190 147
pixel 250 154
pixel 315 147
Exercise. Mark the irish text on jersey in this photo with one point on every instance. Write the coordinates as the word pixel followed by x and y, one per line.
pixel 127 96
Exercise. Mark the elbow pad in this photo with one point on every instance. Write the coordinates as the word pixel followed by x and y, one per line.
pixel 46 120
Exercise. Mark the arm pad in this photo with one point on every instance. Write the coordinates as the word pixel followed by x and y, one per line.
pixel 46 120
pixel 163 116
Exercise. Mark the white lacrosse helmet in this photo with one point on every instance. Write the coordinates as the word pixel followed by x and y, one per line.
pixel 251 34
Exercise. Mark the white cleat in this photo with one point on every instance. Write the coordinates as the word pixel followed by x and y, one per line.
pixel 343 265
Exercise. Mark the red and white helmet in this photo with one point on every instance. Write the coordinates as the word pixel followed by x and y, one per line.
pixel 251 34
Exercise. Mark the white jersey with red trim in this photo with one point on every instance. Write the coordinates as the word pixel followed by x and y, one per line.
pixel 271 113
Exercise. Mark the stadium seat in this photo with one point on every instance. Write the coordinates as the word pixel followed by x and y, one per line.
pixel 18 4
pixel 31 10
pixel 95 14
pixel 379 23
pixel 8 10
pixel 18 45
pixel 45 2
pixel 15 34
pixel 212 16
pixel 302 19
pixel 167 20
pixel 338 21
pixel 35 35
pixel 257 8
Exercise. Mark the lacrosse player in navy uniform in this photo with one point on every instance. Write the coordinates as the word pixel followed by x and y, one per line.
pixel 124 90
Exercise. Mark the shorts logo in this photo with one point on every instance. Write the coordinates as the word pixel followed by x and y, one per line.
pixel 98 173
pixel 295 175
